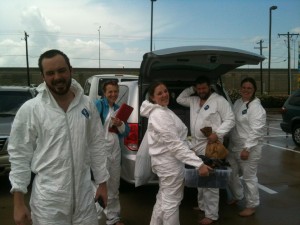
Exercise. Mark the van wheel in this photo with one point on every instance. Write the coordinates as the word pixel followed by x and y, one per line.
pixel 296 134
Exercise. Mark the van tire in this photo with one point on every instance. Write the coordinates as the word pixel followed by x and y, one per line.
pixel 296 134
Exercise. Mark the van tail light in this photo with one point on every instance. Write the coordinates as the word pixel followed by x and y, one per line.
pixel 283 110
pixel 131 141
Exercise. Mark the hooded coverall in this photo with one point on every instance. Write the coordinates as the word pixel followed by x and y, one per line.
pixel 217 113
pixel 112 210
pixel 60 148
pixel 169 153
pixel 247 134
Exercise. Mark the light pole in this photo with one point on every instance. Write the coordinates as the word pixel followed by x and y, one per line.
pixel 99 47
pixel 151 24
pixel 270 26
pixel 27 63
pixel 261 75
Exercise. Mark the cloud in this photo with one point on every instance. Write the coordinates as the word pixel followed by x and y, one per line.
pixel 296 30
pixel 34 20
pixel 13 52
pixel 75 32
pixel 72 26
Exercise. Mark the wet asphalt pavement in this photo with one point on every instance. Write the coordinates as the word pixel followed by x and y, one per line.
pixel 279 179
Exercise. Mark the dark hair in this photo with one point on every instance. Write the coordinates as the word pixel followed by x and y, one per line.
pixel 51 53
pixel 252 81
pixel 202 80
pixel 109 82
pixel 151 89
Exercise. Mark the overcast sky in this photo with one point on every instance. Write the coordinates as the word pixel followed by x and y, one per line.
pixel 72 26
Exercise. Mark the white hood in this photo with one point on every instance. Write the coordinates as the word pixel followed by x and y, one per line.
pixel 147 107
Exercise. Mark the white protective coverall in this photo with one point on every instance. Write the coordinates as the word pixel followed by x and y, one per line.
pixel 247 134
pixel 169 152
pixel 112 210
pixel 217 113
pixel 60 148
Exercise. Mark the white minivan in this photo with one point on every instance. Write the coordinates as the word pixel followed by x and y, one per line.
pixel 178 68
pixel 93 85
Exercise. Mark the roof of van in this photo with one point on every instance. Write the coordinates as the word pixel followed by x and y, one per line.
pixel 116 75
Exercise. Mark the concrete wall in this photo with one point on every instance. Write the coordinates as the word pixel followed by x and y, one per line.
pixel 278 80
pixel 18 76
pixel 231 80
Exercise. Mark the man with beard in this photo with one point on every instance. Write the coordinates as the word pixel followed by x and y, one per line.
pixel 207 109
pixel 59 137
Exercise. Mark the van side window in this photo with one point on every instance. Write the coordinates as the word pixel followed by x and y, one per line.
pixel 295 99
pixel 126 79
pixel 123 94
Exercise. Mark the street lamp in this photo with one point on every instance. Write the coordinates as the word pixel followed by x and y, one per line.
pixel 151 24
pixel 261 75
pixel 270 26
pixel 99 46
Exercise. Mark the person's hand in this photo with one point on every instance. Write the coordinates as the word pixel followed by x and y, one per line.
pixel 244 154
pixel 101 192
pixel 204 170
pixel 212 138
pixel 21 213
pixel 116 121
pixel 194 89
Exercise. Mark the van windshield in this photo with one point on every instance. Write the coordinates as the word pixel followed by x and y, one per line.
pixel 11 101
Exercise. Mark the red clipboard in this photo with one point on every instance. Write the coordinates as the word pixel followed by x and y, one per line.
pixel 123 114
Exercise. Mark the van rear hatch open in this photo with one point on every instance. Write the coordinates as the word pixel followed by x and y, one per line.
pixel 188 62
pixel 179 67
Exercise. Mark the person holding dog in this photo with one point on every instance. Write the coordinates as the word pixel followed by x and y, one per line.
pixel 207 109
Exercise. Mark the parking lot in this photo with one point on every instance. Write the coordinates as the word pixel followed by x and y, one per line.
pixel 279 179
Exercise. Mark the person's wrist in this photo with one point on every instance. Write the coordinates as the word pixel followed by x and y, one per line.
pixel 201 166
